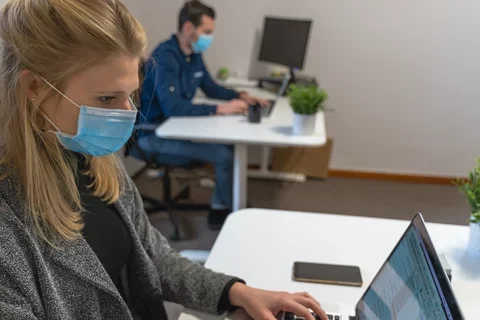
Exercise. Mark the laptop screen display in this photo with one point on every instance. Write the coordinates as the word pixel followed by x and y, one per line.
pixel 407 287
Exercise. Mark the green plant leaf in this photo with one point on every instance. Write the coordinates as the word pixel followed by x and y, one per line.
pixel 306 99
pixel 470 188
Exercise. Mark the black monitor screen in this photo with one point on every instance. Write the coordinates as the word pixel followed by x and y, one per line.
pixel 407 287
pixel 285 41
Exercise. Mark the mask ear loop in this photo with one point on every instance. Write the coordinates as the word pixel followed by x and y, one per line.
pixel 41 116
pixel 142 116
pixel 51 122
pixel 59 92
pixel 46 117
pixel 132 104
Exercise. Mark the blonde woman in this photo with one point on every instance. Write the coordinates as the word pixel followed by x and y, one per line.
pixel 75 242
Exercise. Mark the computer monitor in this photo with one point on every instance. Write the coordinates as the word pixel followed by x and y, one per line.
pixel 285 41
pixel 411 284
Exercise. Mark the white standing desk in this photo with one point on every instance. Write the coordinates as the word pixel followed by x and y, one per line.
pixel 260 246
pixel 272 131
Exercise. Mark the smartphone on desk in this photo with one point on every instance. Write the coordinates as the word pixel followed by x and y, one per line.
pixel 327 274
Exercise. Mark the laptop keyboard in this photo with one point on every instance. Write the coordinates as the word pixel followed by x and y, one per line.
pixel 266 111
pixel 291 316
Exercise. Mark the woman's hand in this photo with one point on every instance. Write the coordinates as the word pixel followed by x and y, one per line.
pixel 265 305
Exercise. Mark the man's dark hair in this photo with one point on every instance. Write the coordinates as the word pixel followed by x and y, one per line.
pixel 193 11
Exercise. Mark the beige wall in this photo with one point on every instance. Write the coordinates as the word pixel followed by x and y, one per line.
pixel 403 76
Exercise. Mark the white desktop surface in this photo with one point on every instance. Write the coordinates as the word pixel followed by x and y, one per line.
pixel 260 246
pixel 275 130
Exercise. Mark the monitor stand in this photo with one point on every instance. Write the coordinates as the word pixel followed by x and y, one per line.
pixel 263 82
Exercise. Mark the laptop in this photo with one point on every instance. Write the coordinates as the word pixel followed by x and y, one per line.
pixel 411 284
pixel 267 111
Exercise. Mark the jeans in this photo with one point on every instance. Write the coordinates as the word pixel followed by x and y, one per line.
pixel 184 153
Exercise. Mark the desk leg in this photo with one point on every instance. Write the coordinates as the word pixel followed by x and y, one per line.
pixel 240 177
pixel 265 161
pixel 265 173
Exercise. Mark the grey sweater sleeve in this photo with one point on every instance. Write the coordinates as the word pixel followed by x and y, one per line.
pixel 184 282
pixel 13 305
pixel 16 276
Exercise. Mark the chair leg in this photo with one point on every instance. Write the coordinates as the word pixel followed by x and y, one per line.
pixel 140 172
pixel 167 187
pixel 184 194
pixel 170 203
pixel 158 206
pixel 191 207
pixel 167 197
pixel 155 202
pixel 175 236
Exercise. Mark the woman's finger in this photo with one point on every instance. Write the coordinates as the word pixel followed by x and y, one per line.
pixel 307 295
pixel 311 304
pixel 290 305
pixel 264 315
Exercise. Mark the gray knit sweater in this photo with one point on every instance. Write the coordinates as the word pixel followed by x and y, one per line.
pixel 39 282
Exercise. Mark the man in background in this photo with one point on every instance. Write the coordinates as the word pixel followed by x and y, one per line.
pixel 171 79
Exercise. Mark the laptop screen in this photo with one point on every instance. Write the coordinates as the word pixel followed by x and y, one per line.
pixel 407 286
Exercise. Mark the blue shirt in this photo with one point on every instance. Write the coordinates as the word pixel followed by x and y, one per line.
pixel 171 79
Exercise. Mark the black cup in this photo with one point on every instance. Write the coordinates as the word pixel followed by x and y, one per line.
pixel 255 113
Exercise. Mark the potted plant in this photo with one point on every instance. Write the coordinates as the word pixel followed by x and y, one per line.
pixel 306 102
pixel 223 74
pixel 471 189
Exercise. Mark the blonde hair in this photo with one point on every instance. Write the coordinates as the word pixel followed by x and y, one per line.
pixel 56 39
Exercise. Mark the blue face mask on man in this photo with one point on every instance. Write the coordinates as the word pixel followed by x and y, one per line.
pixel 100 131
pixel 203 43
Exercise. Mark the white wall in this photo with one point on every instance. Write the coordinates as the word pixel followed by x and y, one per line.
pixel 402 75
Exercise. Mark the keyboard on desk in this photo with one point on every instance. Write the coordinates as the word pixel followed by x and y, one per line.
pixel 291 316
pixel 266 111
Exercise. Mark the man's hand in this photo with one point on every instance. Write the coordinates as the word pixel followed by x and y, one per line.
pixel 253 100
pixel 265 305
pixel 235 106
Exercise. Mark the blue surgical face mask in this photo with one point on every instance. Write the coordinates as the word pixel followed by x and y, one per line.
pixel 203 43
pixel 100 131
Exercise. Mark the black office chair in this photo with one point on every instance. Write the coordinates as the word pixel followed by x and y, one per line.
pixel 169 203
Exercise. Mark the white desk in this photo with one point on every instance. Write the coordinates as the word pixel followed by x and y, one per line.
pixel 272 131
pixel 266 243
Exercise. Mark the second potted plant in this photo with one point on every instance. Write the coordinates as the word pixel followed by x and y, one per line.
pixel 471 189
pixel 306 102
pixel 223 74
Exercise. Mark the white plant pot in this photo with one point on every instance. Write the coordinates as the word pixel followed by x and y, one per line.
pixel 303 125
pixel 473 246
